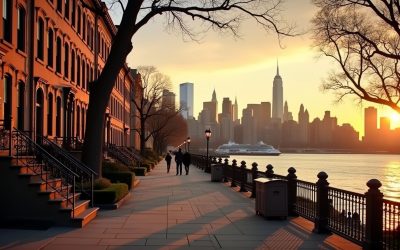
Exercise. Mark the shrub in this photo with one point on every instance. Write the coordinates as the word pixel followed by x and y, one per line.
pixel 140 171
pixel 122 177
pixel 110 195
pixel 101 183
pixel 109 166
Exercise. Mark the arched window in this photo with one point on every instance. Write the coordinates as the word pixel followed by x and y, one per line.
pixel 88 78
pixel 50 48
pixel 58 117
pixel 21 28
pixel 66 60
pixel 21 104
pixel 7 20
pixel 73 65
pixel 58 56
pixel 50 115
pixel 40 39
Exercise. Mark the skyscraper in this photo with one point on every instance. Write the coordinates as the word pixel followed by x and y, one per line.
pixel 186 99
pixel 168 99
pixel 277 96
pixel 370 124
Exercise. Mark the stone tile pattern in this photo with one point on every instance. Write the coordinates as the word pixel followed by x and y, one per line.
pixel 178 212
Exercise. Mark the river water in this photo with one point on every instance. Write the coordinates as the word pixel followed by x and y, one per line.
pixel 345 171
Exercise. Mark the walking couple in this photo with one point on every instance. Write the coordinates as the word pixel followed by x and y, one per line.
pixel 180 159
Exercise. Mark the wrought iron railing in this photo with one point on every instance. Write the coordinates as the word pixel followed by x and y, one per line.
pixel 132 154
pixel 86 175
pixel 391 224
pixel 54 175
pixel 5 138
pixel 120 156
pixel 365 219
pixel 69 143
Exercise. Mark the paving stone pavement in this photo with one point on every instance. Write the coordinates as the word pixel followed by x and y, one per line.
pixel 177 212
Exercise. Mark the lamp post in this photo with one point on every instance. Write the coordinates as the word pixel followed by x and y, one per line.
pixel 208 135
pixel 188 144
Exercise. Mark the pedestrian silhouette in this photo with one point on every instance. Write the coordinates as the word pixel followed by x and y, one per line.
pixel 186 159
pixel 168 159
pixel 178 160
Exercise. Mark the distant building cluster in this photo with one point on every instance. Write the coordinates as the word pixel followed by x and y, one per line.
pixel 274 124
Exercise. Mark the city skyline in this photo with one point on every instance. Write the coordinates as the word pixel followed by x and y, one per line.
pixel 211 64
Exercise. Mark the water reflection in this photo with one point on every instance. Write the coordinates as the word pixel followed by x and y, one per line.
pixel 391 189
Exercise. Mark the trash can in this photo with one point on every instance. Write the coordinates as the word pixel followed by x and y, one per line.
pixel 271 197
pixel 217 172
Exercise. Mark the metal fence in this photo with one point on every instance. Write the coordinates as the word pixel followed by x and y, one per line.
pixel 366 219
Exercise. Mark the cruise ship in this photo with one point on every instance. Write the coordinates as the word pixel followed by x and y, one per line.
pixel 260 148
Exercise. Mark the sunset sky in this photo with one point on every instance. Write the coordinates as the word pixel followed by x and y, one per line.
pixel 245 67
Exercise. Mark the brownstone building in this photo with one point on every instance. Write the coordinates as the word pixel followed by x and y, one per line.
pixel 50 50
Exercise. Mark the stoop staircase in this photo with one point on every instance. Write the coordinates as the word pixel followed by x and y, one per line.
pixel 43 185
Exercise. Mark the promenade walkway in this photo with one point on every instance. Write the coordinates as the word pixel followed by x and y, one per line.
pixel 178 212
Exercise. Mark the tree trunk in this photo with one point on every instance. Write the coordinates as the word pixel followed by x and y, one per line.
pixel 142 136
pixel 101 89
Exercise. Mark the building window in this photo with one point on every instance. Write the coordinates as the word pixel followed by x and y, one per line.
pixel 79 20
pixel 67 9
pixel 78 122
pixel 66 60
pixel 84 27
pixel 83 74
pixel 50 48
pixel 40 39
pixel 7 101
pixel 21 29
pixel 73 13
pixel 7 20
pixel 73 65
pixel 58 117
pixel 58 56
pixel 59 5
pixel 21 104
pixel 50 115
pixel 78 70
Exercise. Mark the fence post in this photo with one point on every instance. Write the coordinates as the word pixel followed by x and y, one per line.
pixel 254 173
pixel 10 145
pixel 269 173
pixel 233 173
pixel 374 216
pixel 242 176
pixel 322 215
pixel 226 162
pixel 292 190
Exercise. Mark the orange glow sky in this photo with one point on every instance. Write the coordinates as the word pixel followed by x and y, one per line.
pixel 246 67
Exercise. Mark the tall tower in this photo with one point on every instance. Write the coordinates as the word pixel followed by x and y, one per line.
pixel 235 111
pixel 277 96
pixel 186 100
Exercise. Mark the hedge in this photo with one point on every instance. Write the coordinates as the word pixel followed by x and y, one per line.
pixel 121 177
pixel 109 166
pixel 140 171
pixel 111 194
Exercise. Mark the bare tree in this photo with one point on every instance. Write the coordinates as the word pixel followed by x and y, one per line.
pixel 153 112
pixel 221 15
pixel 174 130
pixel 363 38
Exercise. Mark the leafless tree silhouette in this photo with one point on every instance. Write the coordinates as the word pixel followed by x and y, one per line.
pixel 363 38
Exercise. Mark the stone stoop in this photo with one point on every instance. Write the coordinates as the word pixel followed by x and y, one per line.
pixel 45 203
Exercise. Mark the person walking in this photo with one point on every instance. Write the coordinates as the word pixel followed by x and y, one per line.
pixel 186 159
pixel 178 160
pixel 168 159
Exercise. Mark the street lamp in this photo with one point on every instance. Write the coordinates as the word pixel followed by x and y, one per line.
pixel 188 143
pixel 208 135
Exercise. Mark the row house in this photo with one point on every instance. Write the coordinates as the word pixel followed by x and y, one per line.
pixel 50 51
